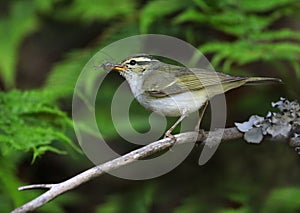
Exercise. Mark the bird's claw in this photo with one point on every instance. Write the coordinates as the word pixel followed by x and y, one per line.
pixel 169 135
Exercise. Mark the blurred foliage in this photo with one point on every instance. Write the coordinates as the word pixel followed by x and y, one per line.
pixel 134 201
pixel 32 125
pixel 235 34
pixel 11 35
pixel 282 200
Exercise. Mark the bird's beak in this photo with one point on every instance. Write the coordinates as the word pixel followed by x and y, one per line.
pixel 119 68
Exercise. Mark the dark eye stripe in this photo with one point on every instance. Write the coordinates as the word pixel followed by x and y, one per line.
pixel 143 62
pixel 134 62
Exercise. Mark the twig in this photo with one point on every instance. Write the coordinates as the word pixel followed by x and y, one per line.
pixel 36 186
pixel 59 188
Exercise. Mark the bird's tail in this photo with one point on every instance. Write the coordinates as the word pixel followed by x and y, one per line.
pixel 254 80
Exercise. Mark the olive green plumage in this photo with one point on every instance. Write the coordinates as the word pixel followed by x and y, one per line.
pixel 174 79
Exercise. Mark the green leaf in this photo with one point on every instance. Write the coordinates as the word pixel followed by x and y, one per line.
pixel 229 53
pixel 283 200
pixel 30 121
pixel 157 9
pixel 62 79
pixel 281 34
pixel 45 6
pixel 9 182
pixel 231 21
pixel 264 6
pixel 296 67
pixel 202 5
pixel 89 11
pixel 13 29
pixel 11 198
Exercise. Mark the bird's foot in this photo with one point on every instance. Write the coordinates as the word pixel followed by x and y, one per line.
pixel 201 134
pixel 169 135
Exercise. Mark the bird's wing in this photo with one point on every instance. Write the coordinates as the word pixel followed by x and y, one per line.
pixel 170 82
pixel 161 84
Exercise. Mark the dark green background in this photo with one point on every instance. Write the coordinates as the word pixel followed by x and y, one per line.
pixel 45 44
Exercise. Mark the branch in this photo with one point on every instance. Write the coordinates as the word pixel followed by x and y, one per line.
pixel 59 188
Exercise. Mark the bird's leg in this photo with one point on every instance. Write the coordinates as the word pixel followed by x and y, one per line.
pixel 168 133
pixel 202 110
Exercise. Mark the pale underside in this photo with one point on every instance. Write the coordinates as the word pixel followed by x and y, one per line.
pixel 174 105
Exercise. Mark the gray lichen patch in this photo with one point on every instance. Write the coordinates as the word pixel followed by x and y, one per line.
pixel 282 124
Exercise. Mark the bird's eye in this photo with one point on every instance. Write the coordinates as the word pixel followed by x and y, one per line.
pixel 132 62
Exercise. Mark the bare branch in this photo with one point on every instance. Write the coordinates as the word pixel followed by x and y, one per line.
pixel 59 188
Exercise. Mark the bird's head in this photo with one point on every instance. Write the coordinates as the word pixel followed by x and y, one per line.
pixel 135 64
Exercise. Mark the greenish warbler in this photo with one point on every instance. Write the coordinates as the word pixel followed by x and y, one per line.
pixel 174 90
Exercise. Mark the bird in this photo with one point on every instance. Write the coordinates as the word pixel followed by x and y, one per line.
pixel 176 91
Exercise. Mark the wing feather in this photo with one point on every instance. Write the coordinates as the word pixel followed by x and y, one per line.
pixel 173 80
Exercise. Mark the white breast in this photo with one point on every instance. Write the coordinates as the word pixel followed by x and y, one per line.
pixel 172 106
